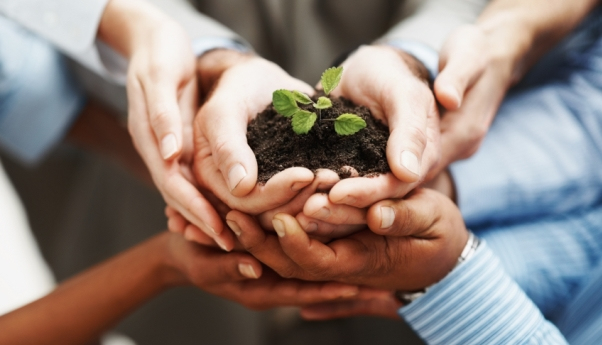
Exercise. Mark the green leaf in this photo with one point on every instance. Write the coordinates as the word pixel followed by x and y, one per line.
pixel 302 98
pixel 303 121
pixel 323 103
pixel 348 124
pixel 331 78
pixel 284 103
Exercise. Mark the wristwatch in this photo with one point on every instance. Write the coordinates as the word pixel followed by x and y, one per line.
pixel 407 297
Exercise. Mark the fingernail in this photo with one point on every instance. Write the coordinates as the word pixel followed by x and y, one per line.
pixel 235 175
pixel 298 186
pixel 247 271
pixel 234 227
pixel 410 162
pixel 454 95
pixel 220 242
pixel 278 226
pixel 387 217
pixel 311 227
pixel 169 146
pixel 211 229
pixel 322 213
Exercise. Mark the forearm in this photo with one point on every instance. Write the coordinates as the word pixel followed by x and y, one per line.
pixel 524 31
pixel 126 23
pixel 83 307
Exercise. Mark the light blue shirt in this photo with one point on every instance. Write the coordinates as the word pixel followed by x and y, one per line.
pixel 39 99
pixel 534 193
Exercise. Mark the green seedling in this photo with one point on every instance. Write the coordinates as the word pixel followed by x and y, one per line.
pixel 285 103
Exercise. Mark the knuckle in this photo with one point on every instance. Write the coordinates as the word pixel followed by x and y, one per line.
pixel 287 272
pixel 160 119
pixel 417 135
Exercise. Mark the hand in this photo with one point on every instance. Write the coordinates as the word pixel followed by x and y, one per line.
pixel 414 243
pixel 323 181
pixel 162 96
pixel 242 86
pixel 394 87
pixel 508 38
pixel 386 306
pixel 239 277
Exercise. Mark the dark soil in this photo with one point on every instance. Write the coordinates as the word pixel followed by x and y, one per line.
pixel 277 147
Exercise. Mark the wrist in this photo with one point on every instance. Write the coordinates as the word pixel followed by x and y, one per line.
pixel 211 65
pixel 169 272
pixel 126 24
pixel 414 65
pixel 510 40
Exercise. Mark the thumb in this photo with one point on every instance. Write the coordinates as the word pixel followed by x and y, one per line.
pixel 165 117
pixel 461 64
pixel 406 217
pixel 225 127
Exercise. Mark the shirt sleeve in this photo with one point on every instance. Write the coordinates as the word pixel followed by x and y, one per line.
pixel 478 303
pixel 423 32
pixel 433 20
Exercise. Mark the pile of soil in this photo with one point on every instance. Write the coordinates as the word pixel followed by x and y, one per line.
pixel 277 147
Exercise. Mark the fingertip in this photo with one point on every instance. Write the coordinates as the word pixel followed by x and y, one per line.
pixel 170 147
pixel 240 179
pixel 250 270
pixel 380 217
pixel 447 94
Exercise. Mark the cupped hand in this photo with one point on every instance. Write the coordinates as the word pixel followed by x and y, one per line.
pixel 240 277
pixel 241 87
pixel 162 100
pixel 413 243
pixel 394 86
pixel 470 92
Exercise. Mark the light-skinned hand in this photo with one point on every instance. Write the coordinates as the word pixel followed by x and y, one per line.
pixel 162 100
pixel 394 86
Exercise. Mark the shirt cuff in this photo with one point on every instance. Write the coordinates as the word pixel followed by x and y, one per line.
pixel 422 52
pixel 478 303
pixel 203 45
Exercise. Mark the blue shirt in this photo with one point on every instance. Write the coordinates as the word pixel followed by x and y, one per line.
pixel 534 193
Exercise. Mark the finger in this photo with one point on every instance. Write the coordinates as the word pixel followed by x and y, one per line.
pixel 263 246
pixel 342 309
pixel 406 217
pixel 225 127
pixel 185 198
pixel 457 76
pixel 407 142
pixel 279 190
pixel 362 192
pixel 225 240
pixel 273 291
pixel 321 261
pixel 232 267
pixel 175 222
pixel 194 234
pixel 161 96
pixel 463 130
pixel 323 181
pixel 324 231
pixel 318 206
pixel 177 191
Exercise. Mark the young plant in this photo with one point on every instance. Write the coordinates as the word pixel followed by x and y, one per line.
pixel 285 103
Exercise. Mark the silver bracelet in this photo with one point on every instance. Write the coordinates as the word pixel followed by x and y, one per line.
pixel 407 297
